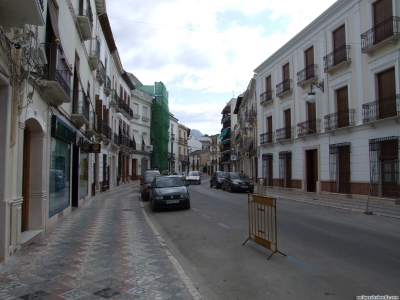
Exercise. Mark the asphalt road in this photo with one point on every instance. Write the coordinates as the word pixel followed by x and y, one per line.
pixel 331 253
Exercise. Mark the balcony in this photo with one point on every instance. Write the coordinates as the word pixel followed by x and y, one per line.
pixel 85 21
pixel 337 59
pixel 387 32
pixel 307 75
pixel 171 155
pixel 101 73
pixel 122 107
pixel 115 139
pixel 381 109
pixel 181 157
pixel 94 54
pixel 266 97
pixel 91 129
pixel 17 13
pixel 172 138
pixel 185 141
pixel 80 109
pixel 285 133
pixel 136 116
pixel 103 130
pixel 284 88
pixel 145 119
pixel 266 138
pixel 309 127
pixel 225 119
pixel 339 119
pixel 107 86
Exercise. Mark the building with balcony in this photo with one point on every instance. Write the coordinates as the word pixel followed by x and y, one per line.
pixel 246 131
pixel 228 121
pixel 329 104
pixel 183 151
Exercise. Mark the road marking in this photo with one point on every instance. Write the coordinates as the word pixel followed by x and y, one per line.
pixel 223 225
pixel 195 209
pixel 205 216
pixel 302 264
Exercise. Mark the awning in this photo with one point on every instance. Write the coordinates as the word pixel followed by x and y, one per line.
pixel 224 133
pixel 226 141
pixel 136 137
pixel 146 139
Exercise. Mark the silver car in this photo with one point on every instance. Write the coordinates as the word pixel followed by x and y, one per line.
pixel 193 177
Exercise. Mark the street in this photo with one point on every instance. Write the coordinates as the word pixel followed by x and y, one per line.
pixel 331 252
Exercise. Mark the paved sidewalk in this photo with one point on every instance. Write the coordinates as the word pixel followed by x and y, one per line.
pixel 106 249
pixel 337 201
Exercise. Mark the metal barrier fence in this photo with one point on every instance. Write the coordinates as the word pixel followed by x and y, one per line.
pixel 262 222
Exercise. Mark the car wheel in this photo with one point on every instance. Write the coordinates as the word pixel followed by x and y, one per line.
pixel 222 187
pixel 187 206
pixel 210 184
pixel 230 189
pixel 152 206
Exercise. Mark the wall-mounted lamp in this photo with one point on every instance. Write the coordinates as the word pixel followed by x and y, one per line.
pixel 118 116
pixel 311 93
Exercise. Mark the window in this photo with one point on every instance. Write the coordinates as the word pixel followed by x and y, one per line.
pixel 387 94
pixel 382 10
pixel 267 168
pixel 339 45
pixel 285 169
pixel 342 104
pixel 288 123
pixel 309 62
pixel 339 168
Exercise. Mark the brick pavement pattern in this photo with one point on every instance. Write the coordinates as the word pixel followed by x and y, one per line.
pixel 104 249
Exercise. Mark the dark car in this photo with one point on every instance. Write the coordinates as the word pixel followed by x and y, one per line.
pixel 145 183
pixel 216 179
pixel 235 182
pixel 167 192
pixel 193 177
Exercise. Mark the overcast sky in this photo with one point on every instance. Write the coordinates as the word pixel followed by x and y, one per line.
pixel 204 51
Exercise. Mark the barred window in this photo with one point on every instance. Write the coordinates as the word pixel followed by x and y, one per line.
pixel 267 173
pixel 285 169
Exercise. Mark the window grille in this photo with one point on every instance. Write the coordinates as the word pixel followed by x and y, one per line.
pixel 384 167
pixel 267 160
pixel 339 168
pixel 285 169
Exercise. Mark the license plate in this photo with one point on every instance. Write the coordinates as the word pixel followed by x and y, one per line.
pixel 172 201
pixel 244 187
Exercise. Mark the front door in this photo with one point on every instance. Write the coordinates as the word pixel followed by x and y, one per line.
pixel 390 168
pixel 312 170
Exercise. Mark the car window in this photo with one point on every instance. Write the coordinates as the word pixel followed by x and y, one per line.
pixel 220 174
pixel 164 182
pixel 235 176
pixel 243 176
pixel 149 179
pixel 194 173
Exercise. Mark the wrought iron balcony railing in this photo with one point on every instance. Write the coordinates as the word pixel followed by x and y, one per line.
pixel 340 55
pixel 80 105
pixel 225 119
pixel 107 85
pixel 381 109
pixel 115 139
pixel 381 32
pixel 285 133
pixel 339 119
pixel 266 96
pixel 284 87
pixel 103 128
pixel 306 74
pixel 309 127
pixel 266 138
pixel 101 73
pixel 41 4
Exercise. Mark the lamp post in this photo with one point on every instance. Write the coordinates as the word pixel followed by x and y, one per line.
pixel 311 94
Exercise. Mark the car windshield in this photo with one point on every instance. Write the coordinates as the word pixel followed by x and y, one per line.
pixel 220 175
pixel 239 176
pixel 194 173
pixel 149 179
pixel 164 182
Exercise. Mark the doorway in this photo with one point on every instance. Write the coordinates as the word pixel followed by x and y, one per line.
pixel 25 179
pixel 312 170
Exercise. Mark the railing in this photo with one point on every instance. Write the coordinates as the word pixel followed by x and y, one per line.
pixel 284 86
pixel 388 28
pixel 107 84
pixel 180 140
pixel 145 119
pixel 266 138
pixel 381 109
pixel 95 48
pixel 309 127
pixel 171 155
pixel 226 125
pixel 336 57
pixel 124 140
pixel 87 13
pixel 104 129
pixel 122 105
pixel 81 106
pixel 266 96
pixel 284 133
pixel 101 71
pixel 339 119
pixel 136 116
pixel 185 141
pixel 224 119
pixel 115 139
pixel 61 76
pixel 308 73
pixel 180 156
pixel 92 121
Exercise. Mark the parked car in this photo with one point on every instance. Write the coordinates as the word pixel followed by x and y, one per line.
pixel 145 183
pixel 216 179
pixel 193 177
pixel 152 172
pixel 167 192
pixel 235 182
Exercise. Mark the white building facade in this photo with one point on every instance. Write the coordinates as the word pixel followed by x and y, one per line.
pixel 347 140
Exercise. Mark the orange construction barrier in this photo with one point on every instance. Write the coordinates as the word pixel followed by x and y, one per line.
pixel 262 222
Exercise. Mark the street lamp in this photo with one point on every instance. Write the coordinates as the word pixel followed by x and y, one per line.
pixel 311 94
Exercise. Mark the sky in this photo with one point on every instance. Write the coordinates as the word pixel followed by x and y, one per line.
pixel 204 51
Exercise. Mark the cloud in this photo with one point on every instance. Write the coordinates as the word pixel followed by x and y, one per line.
pixel 204 51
